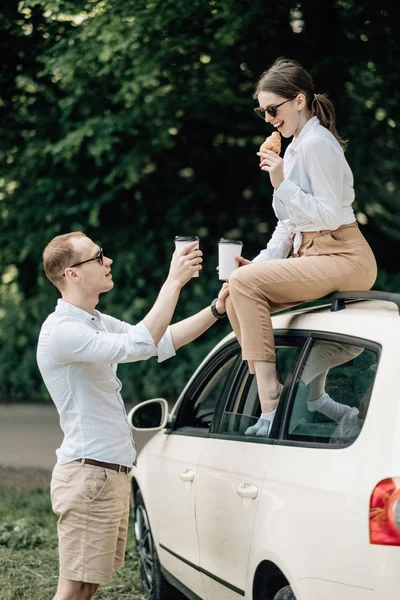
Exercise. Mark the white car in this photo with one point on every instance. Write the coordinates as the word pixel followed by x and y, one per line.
pixel 315 505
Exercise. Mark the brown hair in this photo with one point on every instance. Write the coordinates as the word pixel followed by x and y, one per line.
pixel 58 255
pixel 287 78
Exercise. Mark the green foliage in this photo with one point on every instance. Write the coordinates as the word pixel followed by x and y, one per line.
pixel 28 548
pixel 132 121
pixel 18 535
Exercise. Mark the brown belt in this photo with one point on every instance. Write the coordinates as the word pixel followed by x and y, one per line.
pixel 105 465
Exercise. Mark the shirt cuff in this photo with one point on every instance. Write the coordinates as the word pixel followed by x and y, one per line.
pixel 274 251
pixel 166 346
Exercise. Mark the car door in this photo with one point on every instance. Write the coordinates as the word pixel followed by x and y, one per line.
pixel 172 464
pixel 320 475
pixel 230 478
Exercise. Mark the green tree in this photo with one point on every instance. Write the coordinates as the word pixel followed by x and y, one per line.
pixel 132 121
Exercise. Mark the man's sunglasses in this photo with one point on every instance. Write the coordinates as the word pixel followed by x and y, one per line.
pixel 271 110
pixel 99 256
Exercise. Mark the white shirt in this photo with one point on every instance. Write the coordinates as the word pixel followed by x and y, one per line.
pixel 77 356
pixel 316 194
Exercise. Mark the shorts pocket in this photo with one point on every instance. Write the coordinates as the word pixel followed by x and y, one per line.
pixel 61 473
pixel 96 484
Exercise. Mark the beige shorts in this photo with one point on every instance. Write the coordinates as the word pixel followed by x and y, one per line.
pixel 92 505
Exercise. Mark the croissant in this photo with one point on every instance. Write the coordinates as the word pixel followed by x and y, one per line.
pixel 273 143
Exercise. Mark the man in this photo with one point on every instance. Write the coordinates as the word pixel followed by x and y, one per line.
pixel 78 352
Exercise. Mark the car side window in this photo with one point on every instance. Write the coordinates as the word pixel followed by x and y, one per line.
pixel 331 393
pixel 243 409
pixel 202 398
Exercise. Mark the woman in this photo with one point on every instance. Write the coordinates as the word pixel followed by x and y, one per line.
pixel 313 194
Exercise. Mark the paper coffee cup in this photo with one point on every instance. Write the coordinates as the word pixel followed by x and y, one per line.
pixel 227 251
pixel 183 240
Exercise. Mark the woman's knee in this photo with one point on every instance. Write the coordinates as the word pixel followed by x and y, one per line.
pixel 240 277
pixel 228 304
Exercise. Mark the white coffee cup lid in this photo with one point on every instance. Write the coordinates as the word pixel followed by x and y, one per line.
pixel 226 241
pixel 186 238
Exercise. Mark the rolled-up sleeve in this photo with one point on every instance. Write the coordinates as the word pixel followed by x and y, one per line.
pixel 165 347
pixel 72 342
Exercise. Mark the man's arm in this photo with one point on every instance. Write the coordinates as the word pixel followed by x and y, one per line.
pixel 183 265
pixel 191 328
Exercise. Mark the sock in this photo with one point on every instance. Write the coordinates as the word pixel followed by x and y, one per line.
pixel 268 416
pixel 318 402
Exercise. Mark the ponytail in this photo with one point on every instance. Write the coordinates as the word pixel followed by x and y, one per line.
pixel 323 109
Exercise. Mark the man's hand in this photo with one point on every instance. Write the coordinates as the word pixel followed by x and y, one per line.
pixel 185 263
pixel 222 296
pixel 273 164
pixel 189 329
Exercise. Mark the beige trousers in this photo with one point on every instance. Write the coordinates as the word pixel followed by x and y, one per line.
pixel 327 262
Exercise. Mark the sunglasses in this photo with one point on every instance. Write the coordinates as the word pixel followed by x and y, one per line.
pixel 99 256
pixel 271 110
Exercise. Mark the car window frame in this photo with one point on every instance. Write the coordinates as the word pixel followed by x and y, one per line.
pixel 279 336
pixel 285 408
pixel 223 355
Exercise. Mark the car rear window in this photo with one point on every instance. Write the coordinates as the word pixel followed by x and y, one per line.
pixel 331 395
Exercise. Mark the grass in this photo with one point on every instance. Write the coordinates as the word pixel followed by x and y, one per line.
pixel 28 544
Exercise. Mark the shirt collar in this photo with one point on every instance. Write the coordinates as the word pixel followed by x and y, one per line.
pixel 311 124
pixel 65 308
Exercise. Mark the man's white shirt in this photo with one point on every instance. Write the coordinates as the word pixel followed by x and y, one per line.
pixel 78 354
pixel 316 193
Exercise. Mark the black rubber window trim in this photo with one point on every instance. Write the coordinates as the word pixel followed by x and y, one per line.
pixel 221 357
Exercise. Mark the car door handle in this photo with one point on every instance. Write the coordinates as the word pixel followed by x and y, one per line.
pixel 247 490
pixel 187 475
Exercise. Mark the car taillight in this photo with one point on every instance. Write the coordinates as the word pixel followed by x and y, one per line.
pixel 384 513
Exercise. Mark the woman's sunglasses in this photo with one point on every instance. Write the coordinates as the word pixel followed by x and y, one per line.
pixel 99 256
pixel 271 110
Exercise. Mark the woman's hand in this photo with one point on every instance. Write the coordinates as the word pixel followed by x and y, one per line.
pixel 273 164
pixel 222 296
pixel 242 261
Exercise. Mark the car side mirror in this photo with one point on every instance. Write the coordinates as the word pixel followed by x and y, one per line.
pixel 149 415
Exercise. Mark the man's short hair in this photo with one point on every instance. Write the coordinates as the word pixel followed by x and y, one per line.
pixel 58 255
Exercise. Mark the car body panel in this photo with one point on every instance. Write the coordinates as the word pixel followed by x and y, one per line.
pixel 224 518
pixel 170 500
pixel 311 514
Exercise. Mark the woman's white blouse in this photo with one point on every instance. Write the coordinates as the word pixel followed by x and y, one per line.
pixel 316 194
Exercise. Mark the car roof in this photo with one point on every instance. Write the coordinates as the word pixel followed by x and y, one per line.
pixel 370 320
pixel 361 318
